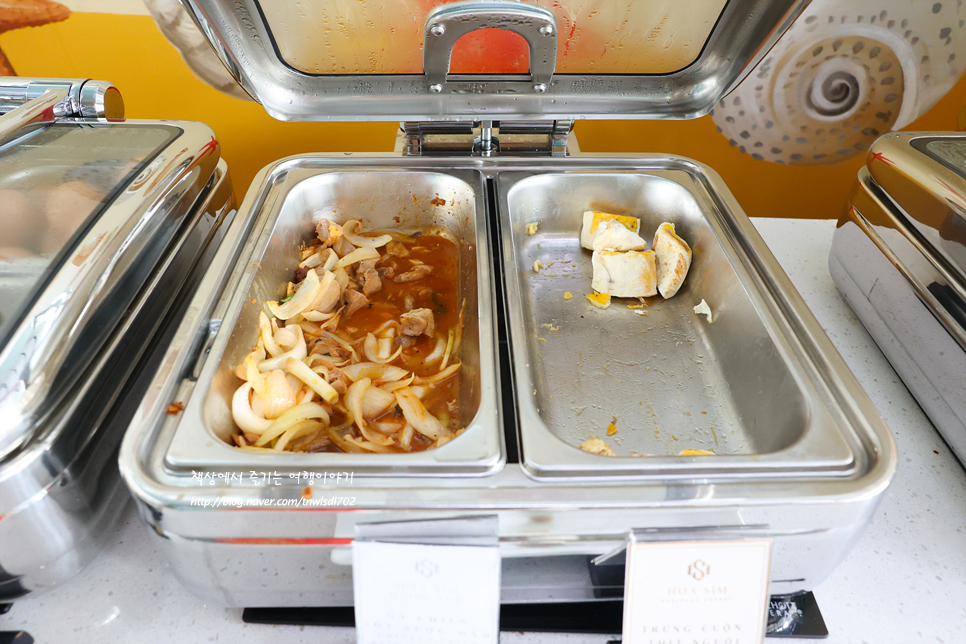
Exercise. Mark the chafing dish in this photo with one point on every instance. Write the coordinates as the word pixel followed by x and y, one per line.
pixel 899 258
pixel 803 455
pixel 106 221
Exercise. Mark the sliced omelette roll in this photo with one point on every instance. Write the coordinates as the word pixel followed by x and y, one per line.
pixel 592 223
pixel 673 259
pixel 612 235
pixel 624 274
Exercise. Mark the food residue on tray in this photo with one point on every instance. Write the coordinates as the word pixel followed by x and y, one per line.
pixel 568 295
pixel 597 446
pixel 532 228
pixel 703 309
pixel 537 265
pixel 695 452
pixel 175 408
pixel 612 427
pixel 599 300
pixel 362 355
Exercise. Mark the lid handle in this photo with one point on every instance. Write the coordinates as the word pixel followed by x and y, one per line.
pixel 448 23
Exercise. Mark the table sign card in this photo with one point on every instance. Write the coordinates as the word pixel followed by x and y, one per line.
pixel 696 592
pixel 408 592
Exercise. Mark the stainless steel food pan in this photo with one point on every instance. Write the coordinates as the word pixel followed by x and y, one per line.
pixel 284 220
pixel 742 386
pixel 247 541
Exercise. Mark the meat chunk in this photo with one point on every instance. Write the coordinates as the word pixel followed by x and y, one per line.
pixel 367 276
pixel 388 271
pixel 328 232
pixel 397 249
pixel 355 301
pixel 417 322
pixel 414 274
pixel 327 346
pixel 409 302
pixel 338 380
pixel 404 341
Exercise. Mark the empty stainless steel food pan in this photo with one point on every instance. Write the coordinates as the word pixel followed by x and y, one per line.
pixel 228 545
pixel 286 217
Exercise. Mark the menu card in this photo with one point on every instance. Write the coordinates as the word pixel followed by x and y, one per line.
pixel 407 592
pixel 709 592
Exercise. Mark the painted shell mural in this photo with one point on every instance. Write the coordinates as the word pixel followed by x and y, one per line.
pixel 846 72
pixel 177 26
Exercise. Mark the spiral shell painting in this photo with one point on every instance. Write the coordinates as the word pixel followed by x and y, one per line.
pixel 846 72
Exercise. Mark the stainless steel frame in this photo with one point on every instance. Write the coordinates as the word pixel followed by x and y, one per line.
pixel 745 31
pixel 229 546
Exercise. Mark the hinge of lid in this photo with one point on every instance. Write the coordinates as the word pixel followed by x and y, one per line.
pixel 485 138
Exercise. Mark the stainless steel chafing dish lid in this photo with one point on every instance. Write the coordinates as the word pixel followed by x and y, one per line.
pixel 553 59
pixel 87 214
pixel 924 174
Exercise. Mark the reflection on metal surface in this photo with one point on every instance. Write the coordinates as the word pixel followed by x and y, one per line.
pixel 610 37
pixel 844 73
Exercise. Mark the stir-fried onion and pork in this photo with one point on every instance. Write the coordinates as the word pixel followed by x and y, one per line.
pixel 362 353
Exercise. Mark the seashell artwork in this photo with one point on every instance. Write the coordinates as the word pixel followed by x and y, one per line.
pixel 181 31
pixel 846 72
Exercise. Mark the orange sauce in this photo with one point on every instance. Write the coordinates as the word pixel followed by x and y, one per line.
pixel 438 292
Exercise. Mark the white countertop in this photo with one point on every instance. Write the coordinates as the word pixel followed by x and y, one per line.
pixel 905 581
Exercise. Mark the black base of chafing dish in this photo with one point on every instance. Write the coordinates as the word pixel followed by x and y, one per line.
pixel 788 616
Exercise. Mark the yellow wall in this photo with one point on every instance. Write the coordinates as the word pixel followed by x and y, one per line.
pixel 156 83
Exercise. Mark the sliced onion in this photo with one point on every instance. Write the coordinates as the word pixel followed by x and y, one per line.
pixel 241 411
pixel 442 375
pixel 449 350
pixel 375 371
pixel 318 316
pixel 303 428
pixel 342 342
pixel 343 443
pixel 309 327
pixel 371 349
pixel 369 446
pixel 406 437
pixel 384 348
pixel 331 259
pixel 437 353
pixel 417 414
pixel 278 396
pixel 299 351
pixel 301 371
pixel 341 277
pixel 267 335
pixel 358 255
pixel 330 293
pixel 295 415
pixel 405 382
pixel 349 228
pixel 353 401
pixel 286 337
pixel 312 261
pixel 375 402
pixel 307 292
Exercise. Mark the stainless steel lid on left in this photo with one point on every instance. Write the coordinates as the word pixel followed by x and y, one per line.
pixel 84 223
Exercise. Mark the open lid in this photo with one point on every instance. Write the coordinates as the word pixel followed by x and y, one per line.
pixel 423 60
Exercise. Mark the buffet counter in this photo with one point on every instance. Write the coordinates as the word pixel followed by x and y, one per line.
pixel 903 582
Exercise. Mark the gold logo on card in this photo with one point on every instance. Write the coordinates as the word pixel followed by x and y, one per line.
pixel 699 570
